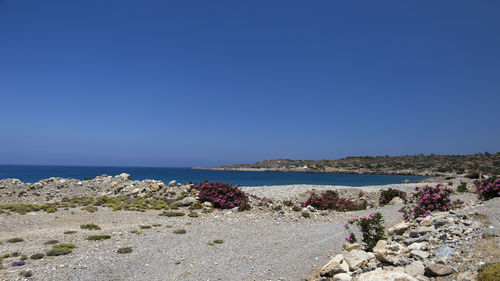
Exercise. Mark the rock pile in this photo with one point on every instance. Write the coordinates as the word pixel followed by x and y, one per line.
pixel 415 250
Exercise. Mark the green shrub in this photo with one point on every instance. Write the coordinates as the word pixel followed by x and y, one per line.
pixel 305 214
pixel 179 231
pixel 156 225
pixel 172 214
pixel 218 241
pixel 69 232
pixel 15 240
pixel 288 203
pixel 65 245
pixel 58 251
pixel 90 209
pixel 145 226
pixel 296 208
pixel 371 227
pixel 244 207
pixel 207 211
pixel 472 176
pixel 387 195
pixel 124 250
pixel 90 226
pixel 98 237
pixel 51 242
pixel 196 206
pixel 193 215
pixel 37 256
pixel 490 273
pixel 462 187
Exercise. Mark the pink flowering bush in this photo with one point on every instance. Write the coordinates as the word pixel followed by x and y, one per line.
pixel 371 227
pixel 428 199
pixel 488 187
pixel 221 195
pixel 330 200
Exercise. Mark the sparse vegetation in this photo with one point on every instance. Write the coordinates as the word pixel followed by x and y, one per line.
pixel 69 232
pixel 145 226
pixel 26 273
pixel 90 226
pixel 193 215
pixel 15 240
pixel 124 250
pixel 462 187
pixel 218 241
pixel 296 208
pixel 179 231
pixel 305 214
pixel 90 209
pixel 489 272
pixel 58 251
pixel 172 214
pixel 98 237
pixel 387 195
pixel 37 256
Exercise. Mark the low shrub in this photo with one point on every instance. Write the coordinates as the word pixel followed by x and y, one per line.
pixel 207 211
pixel 428 199
pixel 371 227
pixel 296 208
pixel 305 214
pixel 172 214
pixel 218 241
pixel 98 237
pixel 489 273
pixel 18 263
pixel 65 245
pixel 58 251
pixel 124 250
pixel 488 187
pixel 15 240
pixel 51 242
pixel 288 203
pixel 90 209
pixel 37 256
pixel 387 195
pixel 69 232
pixel 193 215
pixel 221 195
pixel 472 176
pixel 330 200
pixel 179 231
pixel 145 226
pixel 90 226
pixel 244 207
pixel 462 187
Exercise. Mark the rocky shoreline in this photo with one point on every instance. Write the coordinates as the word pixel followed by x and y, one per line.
pixel 146 215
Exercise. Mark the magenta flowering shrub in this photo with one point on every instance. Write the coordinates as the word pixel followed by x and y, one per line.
pixel 428 199
pixel 221 195
pixel 330 200
pixel 488 187
pixel 371 227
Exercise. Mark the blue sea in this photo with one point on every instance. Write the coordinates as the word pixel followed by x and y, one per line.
pixel 183 175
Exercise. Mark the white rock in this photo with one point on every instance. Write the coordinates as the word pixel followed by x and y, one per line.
pixel 356 259
pixel 390 252
pixel 334 266
pixel 342 277
pixel 125 176
pixel 415 269
pixel 385 275
pixel 172 183
pixel 399 228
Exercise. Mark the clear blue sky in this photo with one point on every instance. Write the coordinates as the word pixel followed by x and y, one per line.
pixel 188 83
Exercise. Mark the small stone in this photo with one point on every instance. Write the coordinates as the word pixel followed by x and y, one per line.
pixel 388 251
pixel 154 187
pixel 342 277
pixel 419 254
pixel 188 201
pixel 385 275
pixel 396 200
pixel 436 269
pixel 351 246
pixel 421 231
pixel 172 183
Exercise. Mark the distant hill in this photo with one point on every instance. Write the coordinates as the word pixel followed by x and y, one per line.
pixel 428 165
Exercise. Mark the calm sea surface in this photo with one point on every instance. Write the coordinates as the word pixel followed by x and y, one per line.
pixel 35 173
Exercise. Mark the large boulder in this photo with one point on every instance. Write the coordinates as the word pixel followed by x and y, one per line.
pixel 357 258
pixel 172 183
pixel 389 251
pixel 351 246
pixel 385 275
pixel 188 201
pixel 336 265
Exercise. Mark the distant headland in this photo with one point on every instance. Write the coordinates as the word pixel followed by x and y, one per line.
pixel 420 165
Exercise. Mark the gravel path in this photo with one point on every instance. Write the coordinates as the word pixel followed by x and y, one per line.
pixel 257 245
